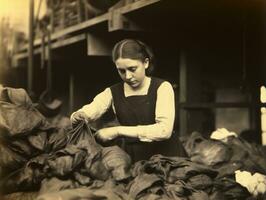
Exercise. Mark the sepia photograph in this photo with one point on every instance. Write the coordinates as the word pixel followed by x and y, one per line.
pixel 132 100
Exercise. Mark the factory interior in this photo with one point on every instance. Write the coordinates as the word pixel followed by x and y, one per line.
pixel 211 54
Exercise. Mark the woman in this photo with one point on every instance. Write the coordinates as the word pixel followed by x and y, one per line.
pixel 143 105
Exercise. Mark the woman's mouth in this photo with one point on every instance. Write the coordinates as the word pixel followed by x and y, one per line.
pixel 132 83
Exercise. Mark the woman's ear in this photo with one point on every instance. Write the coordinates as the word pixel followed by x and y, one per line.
pixel 146 63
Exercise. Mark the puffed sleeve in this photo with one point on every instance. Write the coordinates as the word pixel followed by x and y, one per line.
pixel 98 106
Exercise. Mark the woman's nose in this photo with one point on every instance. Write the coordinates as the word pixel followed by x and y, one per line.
pixel 128 75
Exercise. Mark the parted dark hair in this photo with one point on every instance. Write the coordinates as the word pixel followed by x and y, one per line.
pixel 134 49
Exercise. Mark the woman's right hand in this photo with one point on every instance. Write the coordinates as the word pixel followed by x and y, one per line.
pixel 77 117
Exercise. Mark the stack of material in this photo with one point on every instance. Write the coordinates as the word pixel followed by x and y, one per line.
pixel 23 135
pixel 65 13
pixel 157 178
pixel 71 12
pixel 226 156
pixel 22 196
pixel 47 163
pixel 184 179
pixel 35 154
pixel 23 130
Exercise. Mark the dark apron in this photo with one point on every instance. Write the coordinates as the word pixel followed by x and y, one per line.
pixel 140 110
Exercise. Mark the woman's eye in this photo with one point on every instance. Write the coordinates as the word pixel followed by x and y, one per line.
pixel 122 71
pixel 132 69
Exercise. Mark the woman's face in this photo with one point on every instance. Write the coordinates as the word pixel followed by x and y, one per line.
pixel 132 71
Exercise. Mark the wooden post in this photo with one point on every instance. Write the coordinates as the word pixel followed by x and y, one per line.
pixel 255 112
pixel 30 51
pixel 52 17
pixel 183 94
pixel 49 62
pixel 86 16
pixel 118 21
pixel 71 93
pixel 64 14
pixel 79 11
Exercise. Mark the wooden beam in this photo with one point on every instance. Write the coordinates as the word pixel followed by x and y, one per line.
pixel 80 26
pixel 137 5
pixel 19 56
pixel 96 20
pixel 57 44
pixel 73 29
pixel 119 21
pixel 98 45
pixel 68 41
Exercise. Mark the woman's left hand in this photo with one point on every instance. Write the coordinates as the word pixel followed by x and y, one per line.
pixel 107 134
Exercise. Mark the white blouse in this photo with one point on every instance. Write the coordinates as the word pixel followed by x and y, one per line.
pixel 164 112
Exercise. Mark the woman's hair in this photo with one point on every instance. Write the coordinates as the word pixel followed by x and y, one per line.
pixel 134 49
